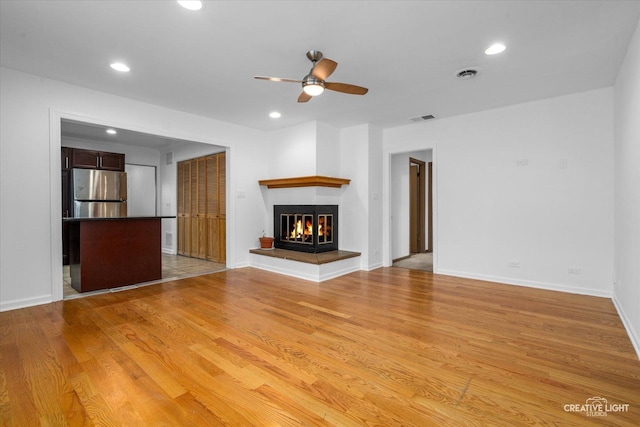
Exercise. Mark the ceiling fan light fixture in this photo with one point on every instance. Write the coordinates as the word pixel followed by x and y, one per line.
pixel 312 86
pixel 313 89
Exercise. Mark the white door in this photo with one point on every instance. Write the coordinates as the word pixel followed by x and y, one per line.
pixel 141 190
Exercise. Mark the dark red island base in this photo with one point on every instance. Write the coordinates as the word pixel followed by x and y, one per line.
pixel 108 253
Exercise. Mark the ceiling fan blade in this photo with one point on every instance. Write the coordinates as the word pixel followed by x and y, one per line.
pixel 304 97
pixel 324 69
pixel 346 88
pixel 277 79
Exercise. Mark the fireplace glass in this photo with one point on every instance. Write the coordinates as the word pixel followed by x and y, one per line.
pixel 306 228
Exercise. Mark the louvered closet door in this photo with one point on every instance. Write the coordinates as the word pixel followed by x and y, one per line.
pixel 213 249
pixel 222 207
pixel 203 195
pixel 184 171
pixel 202 208
pixel 193 209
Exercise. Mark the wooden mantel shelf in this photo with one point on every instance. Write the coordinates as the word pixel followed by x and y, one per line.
pixel 305 181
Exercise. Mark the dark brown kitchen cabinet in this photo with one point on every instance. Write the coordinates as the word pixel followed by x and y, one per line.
pixel 65 160
pixel 89 159
pixel 65 163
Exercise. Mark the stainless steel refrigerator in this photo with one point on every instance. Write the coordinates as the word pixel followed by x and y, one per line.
pixel 99 193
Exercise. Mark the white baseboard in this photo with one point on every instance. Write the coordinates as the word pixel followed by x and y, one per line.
pixel 374 266
pixel 633 334
pixel 528 283
pixel 26 302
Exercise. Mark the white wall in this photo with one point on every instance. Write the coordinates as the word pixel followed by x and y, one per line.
pixel 292 151
pixel 549 216
pixel 30 111
pixel 354 214
pixel 374 248
pixel 627 191
pixel 361 214
pixel 327 151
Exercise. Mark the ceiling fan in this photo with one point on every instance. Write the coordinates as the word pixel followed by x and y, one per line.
pixel 315 83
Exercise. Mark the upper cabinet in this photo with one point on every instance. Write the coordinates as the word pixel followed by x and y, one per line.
pixel 66 158
pixel 89 159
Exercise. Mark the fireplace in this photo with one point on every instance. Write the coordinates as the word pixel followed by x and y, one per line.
pixel 306 228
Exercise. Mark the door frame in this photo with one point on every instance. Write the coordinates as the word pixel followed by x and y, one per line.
pixel 55 202
pixel 417 206
pixel 389 151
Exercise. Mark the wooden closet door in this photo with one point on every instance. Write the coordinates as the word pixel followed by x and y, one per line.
pixel 213 251
pixel 193 209
pixel 184 242
pixel 202 208
pixel 222 207
pixel 201 214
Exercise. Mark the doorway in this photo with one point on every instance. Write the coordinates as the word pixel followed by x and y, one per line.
pixel 411 210
pixel 147 172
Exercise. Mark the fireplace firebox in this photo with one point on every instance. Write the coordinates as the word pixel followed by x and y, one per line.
pixel 306 228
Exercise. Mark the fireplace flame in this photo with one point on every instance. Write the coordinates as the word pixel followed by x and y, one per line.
pixel 299 231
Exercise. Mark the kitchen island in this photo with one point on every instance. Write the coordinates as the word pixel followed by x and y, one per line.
pixel 107 253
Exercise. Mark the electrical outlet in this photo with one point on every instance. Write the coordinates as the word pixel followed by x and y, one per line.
pixel 514 264
pixel 522 162
pixel 574 270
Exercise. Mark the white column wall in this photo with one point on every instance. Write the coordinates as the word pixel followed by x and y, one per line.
pixel 354 213
pixel 626 292
pixel 375 179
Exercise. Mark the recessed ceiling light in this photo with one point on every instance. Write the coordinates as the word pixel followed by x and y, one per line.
pixel 111 131
pixel 191 4
pixel 495 49
pixel 119 66
pixel 275 115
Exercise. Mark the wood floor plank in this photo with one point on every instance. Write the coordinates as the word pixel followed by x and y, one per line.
pixel 385 347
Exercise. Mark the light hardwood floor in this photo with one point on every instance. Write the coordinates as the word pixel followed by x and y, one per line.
pixel 387 347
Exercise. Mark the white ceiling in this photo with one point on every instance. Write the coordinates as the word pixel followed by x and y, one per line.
pixel 405 52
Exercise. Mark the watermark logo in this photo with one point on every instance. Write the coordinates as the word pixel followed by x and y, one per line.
pixel 596 407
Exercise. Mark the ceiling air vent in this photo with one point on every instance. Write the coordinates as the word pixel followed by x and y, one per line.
pixel 468 73
pixel 423 118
